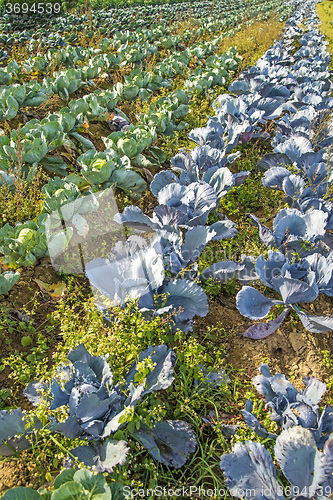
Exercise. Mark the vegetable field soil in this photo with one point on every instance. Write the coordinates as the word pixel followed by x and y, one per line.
pixel 166 250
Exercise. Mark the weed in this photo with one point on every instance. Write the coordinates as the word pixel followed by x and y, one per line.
pixel 252 41
pixel 25 366
pixel 4 396
pixel 328 363
pixel 23 199
pixel 325 15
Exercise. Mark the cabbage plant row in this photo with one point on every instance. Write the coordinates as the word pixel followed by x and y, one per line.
pixel 302 449
pixel 140 82
pixel 99 103
pixel 98 408
pixel 127 147
pixel 59 31
pixel 128 47
pixel 102 407
pixel 299 270
pixel 299 264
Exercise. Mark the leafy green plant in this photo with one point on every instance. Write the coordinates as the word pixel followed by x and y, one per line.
pixel 29 145
pixel 8 280
pixel 69 484
pixel 107 169
pixel 132 143
pixel 21 197
pixel 66 82
pixel 7 74
pixel 23 244
pixel 4 395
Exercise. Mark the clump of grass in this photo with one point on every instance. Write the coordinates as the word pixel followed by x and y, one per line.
pixel 252 41
pixel 325 14
pixel 19 53
pixel 321 128
pixel 23 200
pixel 24 203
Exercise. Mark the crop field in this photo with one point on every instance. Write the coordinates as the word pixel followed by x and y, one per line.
pixel 166 250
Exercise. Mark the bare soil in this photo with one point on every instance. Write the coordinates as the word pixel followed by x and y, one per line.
pixel 16 472
pixel 16 302
pixel 290 350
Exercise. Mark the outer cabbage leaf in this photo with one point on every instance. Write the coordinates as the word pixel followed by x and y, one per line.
pixel 103 457
pixel 299 459
pixel 253 304
pixel 249 471
pixel 262 330
pixel 186 298
pixel 170 442
pixel 161 377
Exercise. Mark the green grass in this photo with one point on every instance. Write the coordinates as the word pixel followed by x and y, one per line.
pixel 325 14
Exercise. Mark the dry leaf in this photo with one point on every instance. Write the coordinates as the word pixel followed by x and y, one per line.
pixel 55 290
